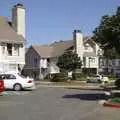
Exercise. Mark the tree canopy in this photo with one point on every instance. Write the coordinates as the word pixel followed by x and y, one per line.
pixel 69 61
pixel 107 34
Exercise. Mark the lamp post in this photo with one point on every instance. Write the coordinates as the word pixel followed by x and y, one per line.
pixel 100 57
pixel 89 65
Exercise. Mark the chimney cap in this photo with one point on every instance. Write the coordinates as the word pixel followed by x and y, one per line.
pixel 19 5
pixel 77 31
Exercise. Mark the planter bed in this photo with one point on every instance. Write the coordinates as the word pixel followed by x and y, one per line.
pixel 114 102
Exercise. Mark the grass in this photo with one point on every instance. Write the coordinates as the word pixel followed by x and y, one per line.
pixel 71 83
pixel 115 100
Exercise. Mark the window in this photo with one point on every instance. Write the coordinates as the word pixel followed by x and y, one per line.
pixel 16 50
pixel 91 59
pixel 2 77
pixel 10 76
pixel 9 49
pixel 84 61
pixel 3 50
pixel 113 62
pixel 13 67
pixel 48 60
pixel 35 61
pixel 87 46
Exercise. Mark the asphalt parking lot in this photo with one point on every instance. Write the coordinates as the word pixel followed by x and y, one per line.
pixel 56 104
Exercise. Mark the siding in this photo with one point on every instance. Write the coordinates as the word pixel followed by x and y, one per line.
pixel 31 55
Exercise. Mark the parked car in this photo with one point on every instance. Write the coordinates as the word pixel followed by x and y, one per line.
pixel 17 82
pixel 104 79
pixel 2 87
pixel 94 79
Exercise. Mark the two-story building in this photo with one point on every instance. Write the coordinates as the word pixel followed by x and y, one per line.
pixel 12 40
pixel 41 59
pixel 110 66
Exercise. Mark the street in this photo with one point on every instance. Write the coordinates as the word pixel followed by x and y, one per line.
pixel 56 104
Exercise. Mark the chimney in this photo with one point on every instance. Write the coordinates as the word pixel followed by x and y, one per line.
pixel 18 19
pixel 78 42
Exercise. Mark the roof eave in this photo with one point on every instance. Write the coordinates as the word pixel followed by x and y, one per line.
pixel 10 41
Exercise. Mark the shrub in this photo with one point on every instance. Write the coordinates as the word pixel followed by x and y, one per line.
pixel 112 77
pixel 47 77
pixel 117 83
pixel 59 77
pixel 79 76
pixel 115 100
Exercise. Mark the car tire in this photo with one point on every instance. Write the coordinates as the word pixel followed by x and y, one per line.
pixel 17 87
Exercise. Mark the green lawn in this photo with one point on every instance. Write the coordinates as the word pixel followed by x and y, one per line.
pixel 115 100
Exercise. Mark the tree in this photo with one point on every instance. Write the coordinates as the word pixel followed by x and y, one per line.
pixel 69 61
pixel 107 34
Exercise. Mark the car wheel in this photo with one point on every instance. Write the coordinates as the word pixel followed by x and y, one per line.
pixel 17 87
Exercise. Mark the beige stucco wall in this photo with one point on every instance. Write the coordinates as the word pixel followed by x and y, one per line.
pixel 79 48
pixel 88 48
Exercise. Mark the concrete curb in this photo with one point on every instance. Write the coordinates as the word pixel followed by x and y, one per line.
pixel 72 87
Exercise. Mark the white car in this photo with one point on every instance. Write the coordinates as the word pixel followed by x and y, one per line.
pixel 94 78
pixel 17 82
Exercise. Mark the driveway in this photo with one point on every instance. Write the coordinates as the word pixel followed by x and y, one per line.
pixel 56 104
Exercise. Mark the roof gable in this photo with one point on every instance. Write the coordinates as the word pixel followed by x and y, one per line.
pixel 7 34
pixel 44 51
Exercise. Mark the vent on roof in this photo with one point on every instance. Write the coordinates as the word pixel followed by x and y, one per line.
pixel 61 41
pixel 10 23
pixel 77 31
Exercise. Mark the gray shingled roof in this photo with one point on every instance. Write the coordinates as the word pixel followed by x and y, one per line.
pixel 43 50
pixel 57 48
pixel 60 47
pixel 7 34
pixel 53 50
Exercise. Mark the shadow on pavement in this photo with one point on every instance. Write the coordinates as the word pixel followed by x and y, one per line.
pixel 91 96
pixel 9 90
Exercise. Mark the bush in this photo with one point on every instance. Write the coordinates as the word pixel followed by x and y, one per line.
pixel 59 77
pixel 79 76
pixel 117 83
pixel 115 100
pixel 112 77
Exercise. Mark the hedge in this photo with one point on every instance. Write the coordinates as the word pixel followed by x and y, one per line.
pixel 117 83
pixel 79 76
pixel 59 77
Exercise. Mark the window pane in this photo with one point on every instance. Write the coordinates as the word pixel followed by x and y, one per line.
pixel 2 77
pixel 12 67
pixel 10 76
pixel 16 50
pixel 9 49
pixel 3 50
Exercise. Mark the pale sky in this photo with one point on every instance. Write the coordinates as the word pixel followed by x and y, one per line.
pixel 51 20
